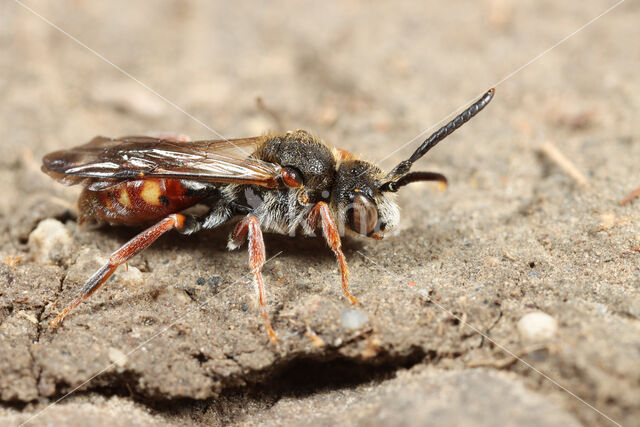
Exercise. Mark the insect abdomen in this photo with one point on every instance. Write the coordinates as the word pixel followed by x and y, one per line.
pixel 135 202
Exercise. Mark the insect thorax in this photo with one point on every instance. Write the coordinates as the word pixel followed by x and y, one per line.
pixel 279 211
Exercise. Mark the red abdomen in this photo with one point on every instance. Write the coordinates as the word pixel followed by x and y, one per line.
pixel 135 202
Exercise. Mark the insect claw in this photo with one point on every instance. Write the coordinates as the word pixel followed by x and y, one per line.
pixel 57 320
pixel 267 326
pixel 272 334
pixel 353 300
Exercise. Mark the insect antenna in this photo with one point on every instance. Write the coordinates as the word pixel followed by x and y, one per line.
pixel 420 176
pixel 395 176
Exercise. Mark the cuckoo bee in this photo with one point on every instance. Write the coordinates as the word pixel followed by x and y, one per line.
pixel 286 183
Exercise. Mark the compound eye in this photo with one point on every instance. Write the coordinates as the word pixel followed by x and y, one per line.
pixel 291 177
pixel 364 215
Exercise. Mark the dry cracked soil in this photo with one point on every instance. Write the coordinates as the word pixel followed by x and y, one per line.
pixel 511 298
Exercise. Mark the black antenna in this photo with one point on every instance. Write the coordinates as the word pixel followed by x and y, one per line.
pixel 440 134
pixel 411 177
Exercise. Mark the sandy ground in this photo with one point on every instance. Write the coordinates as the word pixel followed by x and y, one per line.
pixel 178 338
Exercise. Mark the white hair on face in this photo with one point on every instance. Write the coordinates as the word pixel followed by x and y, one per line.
pixel 388 211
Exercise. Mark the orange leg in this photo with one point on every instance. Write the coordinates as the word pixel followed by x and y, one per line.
pixel 332 236
pixel 251 226
pixel 128 250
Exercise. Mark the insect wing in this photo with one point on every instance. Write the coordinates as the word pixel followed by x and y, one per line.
pixel 105 161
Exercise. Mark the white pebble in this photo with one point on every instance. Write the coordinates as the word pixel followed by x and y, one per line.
pixel 353 319
pixel 117 357
pixel 537 326
pixel 50 241
pixel 128 275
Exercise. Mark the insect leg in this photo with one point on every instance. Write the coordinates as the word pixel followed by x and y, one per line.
pixel 332 236
pixel 251 226
pixel 128 250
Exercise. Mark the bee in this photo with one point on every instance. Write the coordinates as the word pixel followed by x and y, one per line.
pixel 285 184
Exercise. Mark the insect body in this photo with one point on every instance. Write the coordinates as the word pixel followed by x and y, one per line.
pixel 286 184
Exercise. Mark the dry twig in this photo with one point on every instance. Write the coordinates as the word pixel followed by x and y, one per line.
pixel 630 197
pixel 556 156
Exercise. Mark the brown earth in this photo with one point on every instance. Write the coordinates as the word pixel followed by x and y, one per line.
pixel 178 338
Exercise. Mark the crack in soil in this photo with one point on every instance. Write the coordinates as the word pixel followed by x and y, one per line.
pixel 301 375
pixel 298 377
pixel 37 367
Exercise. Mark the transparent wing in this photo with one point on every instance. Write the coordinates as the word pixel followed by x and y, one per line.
pixel 104 161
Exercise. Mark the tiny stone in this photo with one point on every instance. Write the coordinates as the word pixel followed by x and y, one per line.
pixel 117 357
pixel 537 326
pixel 353 319
pixel 130 276
pixel 201 281
pixel 50 241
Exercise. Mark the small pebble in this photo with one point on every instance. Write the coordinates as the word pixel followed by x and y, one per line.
pixel 50 241
pixel 353 319
pixel 537 326
pixel 130 276
pixel 117 357
pixel 201 281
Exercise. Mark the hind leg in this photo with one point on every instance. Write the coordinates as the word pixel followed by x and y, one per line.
pixel 127 251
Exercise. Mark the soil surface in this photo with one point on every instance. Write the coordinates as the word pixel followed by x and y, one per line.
pixel 531 222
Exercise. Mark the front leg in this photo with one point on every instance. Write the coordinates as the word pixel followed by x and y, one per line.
pixel 332 236
pixel 251 226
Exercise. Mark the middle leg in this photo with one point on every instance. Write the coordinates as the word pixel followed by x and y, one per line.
pixel 251 226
